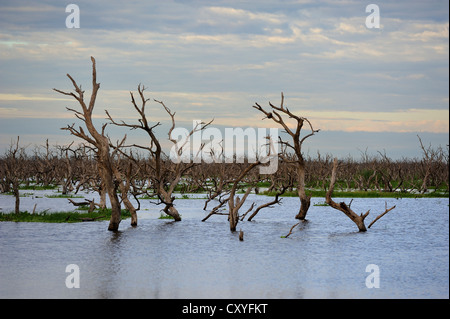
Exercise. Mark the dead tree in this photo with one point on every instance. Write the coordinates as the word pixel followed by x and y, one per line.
pixel 99 141
pixel 14 170
pixel 295 145
pixel 346 209
pixel 234 201
pixel 164 185
pixel 65 169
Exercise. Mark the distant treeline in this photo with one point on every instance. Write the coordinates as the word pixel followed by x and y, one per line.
pixel 73 169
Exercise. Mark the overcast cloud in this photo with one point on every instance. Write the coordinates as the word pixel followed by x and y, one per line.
pixel 214 59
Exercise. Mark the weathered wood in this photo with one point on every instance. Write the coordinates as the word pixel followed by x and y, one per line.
pixel 357 219
pixel 295 144
pixel 98 140
pixel 343 207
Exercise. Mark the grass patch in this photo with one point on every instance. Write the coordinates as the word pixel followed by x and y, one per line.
pixel 60 217
pixel 165 216
pixel 63 196
pixel 37 187
pixel 321 204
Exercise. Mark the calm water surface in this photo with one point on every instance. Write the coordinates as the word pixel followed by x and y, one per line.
pixel 325 257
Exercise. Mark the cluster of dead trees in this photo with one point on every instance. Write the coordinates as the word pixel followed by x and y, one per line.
pixel 122 172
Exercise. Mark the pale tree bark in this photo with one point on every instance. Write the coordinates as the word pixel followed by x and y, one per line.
pixel 98 140
pixel 295 145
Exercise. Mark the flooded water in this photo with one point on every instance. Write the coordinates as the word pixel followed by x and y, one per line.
pixel 325 257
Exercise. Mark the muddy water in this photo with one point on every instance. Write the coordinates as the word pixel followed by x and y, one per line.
pixel 325 257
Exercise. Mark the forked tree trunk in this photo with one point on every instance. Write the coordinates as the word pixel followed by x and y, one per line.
pixel 99 140
pixel 295 144
pixel 343 207
pixel 357 219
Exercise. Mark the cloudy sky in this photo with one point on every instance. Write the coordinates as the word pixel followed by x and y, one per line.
pixel 369 89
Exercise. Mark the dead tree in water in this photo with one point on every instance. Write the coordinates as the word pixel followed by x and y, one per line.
pixel 14 166
pixel 98 140
pixel 234 202
pixel 294 145
pixel 343 207
pixel 165 177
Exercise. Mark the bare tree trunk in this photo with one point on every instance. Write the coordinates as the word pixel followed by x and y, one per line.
pixel 107 176
pixel 17 196
pixel 172 211
pixel 305 200
pixel 103 193
pixel 234 204
pixel 98 140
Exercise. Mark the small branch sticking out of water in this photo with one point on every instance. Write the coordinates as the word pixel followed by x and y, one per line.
pixel 290 231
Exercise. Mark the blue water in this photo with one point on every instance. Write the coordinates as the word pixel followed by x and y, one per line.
pixel 325 257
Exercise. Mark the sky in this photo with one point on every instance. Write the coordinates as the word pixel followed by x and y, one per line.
pixel 366 89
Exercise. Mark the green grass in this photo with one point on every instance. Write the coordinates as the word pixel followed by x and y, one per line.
pixel 60 217
pixel 165 216
pixel 37 187
pixel 321 204
pixel 63 196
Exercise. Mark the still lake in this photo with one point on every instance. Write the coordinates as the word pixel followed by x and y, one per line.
pixel 325 257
